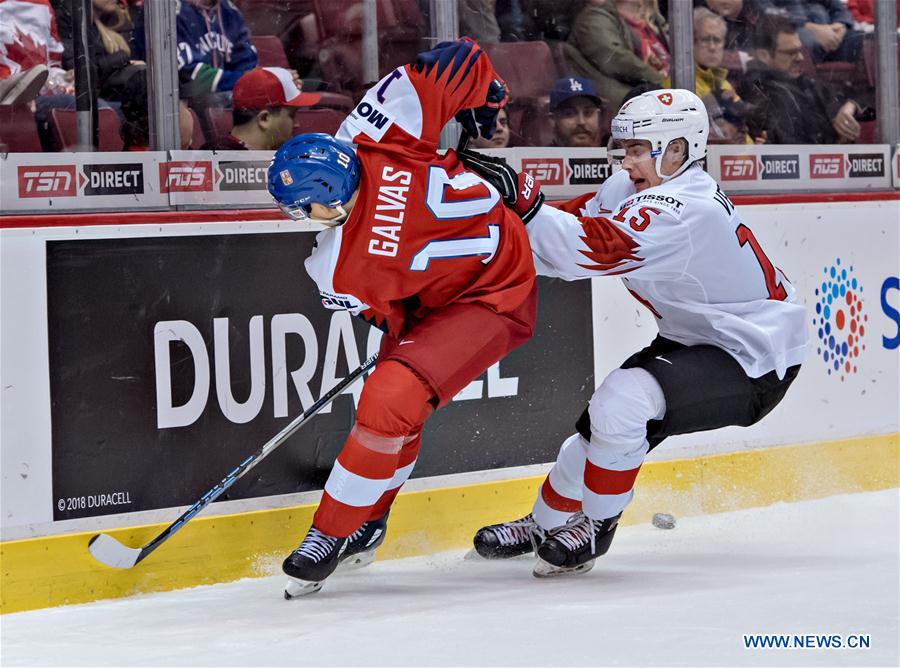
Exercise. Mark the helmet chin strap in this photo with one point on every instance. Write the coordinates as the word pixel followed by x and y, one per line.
pixel 338 220
pixel 687 163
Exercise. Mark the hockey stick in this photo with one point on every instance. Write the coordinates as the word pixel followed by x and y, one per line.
pixel 109 551
pixel 463 140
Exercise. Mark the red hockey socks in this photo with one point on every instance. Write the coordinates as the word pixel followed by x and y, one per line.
pixel 394 404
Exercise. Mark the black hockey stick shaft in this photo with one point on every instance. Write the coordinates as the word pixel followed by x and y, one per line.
pixel 245 466
pixel 463 140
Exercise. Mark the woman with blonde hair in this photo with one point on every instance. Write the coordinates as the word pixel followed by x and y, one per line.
pixel 117 77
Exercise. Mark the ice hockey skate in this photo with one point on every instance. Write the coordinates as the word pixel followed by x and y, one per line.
pixel 362 543
pixel 509 539
pixel 573 547
pixel 308 566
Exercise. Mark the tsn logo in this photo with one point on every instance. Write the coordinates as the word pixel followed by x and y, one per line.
pixel 549 171
pixel 826 166
pixel 47 181
pixel 738 167
pixel 182 177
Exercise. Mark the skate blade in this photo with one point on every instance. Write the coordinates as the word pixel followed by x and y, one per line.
pixel 297 588
pixel 543 569
pixel 356 561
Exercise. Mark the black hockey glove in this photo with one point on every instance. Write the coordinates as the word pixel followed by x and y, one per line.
pixel 520 192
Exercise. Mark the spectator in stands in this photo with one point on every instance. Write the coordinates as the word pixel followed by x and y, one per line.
pixel 214 48
pixel 825 28
pixel 30 52
pixel 863 12
pixel 116 75
pixel 790 107
pixel 709 50
pixel 500 139
pixel 575 112
pixel 185 125
pixel 511 20
pixel 265 102
pixel 478 20
pixel 283 19
pixel 651 32
pixel 728 121
pixel 550 20
pixel 21 88
pixel 741 17
pixel 603 47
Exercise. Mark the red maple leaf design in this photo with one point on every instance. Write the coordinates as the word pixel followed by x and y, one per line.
pixel 610 247
pixel 26 52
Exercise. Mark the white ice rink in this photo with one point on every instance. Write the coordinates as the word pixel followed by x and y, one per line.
pixel 683 597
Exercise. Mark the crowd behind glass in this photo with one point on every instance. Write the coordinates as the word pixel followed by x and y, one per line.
pixel 769 71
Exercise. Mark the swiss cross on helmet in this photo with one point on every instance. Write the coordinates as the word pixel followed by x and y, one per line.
pixel 660 117
pixel 313 168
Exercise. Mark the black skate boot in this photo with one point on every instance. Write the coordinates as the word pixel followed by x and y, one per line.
pixel 573 547
pixel 312 562
pixel 362 543
pixel 509 539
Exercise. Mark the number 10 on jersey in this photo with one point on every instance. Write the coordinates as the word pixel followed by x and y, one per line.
pixel 443 209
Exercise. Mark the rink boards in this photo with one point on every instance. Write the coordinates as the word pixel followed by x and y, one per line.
pixel 139 458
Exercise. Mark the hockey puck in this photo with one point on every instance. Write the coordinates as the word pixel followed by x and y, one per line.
pixel 663 521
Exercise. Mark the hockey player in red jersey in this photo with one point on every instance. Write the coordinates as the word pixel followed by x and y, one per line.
pixel 420 247
pixel 731 334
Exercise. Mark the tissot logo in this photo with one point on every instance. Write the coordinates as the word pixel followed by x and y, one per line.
pixel 549 171
pixel 866 165
pixel 738 167
pixel 114 179
pixel 826 166
pixel 47 181
pixel 184 177
pixel 243 175
pixel 780 166
pixel 589 170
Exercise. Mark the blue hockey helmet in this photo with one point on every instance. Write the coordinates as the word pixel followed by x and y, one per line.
pixel 313 167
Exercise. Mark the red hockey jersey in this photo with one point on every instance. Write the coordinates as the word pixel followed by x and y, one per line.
pixel 424 232
pixel 28 36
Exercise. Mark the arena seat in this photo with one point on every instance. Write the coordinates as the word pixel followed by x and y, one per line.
pixel 219 122
pixel 337 101
pixel 527 67
pixel 18 130
pixel 270 51
pixel 318 120
pixel 197 138
pixel 64 128
pixel 401 27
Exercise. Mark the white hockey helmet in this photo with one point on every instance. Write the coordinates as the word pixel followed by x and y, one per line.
pixel 660 117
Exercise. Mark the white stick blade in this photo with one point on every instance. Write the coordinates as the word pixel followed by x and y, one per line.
pixel 110 552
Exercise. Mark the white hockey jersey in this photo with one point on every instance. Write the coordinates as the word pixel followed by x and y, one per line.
pixel 683 251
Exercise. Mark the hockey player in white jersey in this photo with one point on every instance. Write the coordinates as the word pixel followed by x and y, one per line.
pixel 731 334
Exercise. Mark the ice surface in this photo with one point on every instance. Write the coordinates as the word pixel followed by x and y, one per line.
pixel 680 597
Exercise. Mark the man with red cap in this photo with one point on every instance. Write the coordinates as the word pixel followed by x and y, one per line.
pixel 265 101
